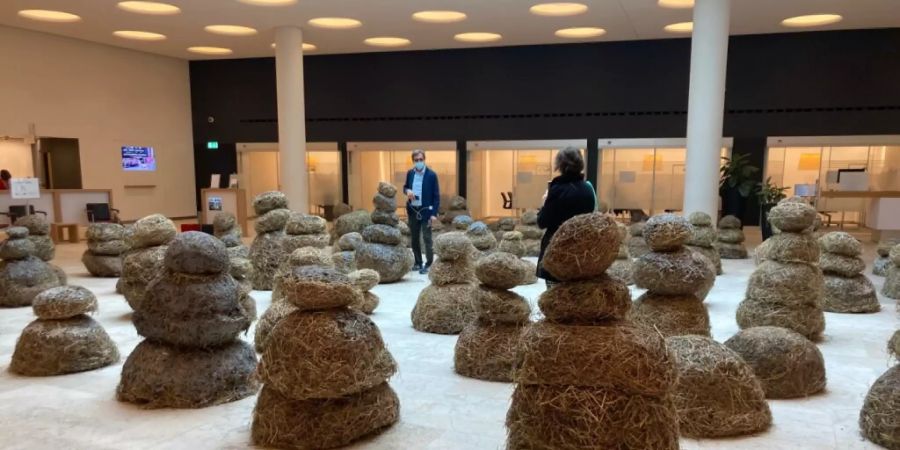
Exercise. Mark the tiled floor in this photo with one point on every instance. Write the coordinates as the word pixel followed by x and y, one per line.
pixel 440 410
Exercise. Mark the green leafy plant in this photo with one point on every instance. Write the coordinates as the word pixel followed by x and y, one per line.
pixel 769 193
pixel 738 173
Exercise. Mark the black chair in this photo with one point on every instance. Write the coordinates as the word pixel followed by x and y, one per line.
pixel 17 211
pixel 101 212
pixel 507 199
pixel 638 215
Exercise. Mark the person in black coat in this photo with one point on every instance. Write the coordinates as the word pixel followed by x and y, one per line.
pixel 568 195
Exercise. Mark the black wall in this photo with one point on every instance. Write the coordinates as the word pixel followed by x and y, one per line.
pixel 813 83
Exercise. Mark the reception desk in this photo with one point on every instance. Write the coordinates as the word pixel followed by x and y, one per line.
pixel 214 201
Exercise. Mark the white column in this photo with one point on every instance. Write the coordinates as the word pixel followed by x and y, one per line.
pixel 291 116
pixel 706 105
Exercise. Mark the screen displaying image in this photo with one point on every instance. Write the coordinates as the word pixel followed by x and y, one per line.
pixel 215 203
pixel 138 159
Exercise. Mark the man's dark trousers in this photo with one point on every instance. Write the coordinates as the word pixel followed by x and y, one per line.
pixel 420 230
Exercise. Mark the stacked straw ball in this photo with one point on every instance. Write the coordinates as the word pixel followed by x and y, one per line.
pixel 878 419
pixel 344 255
pixel 39 235
pixel 675 279
pixel 447 305
pixel 891 288
pixel 703 236
pixel 731 239
pixel 324 369
pixel 585 375
pixel 481 237
pixel 63 339
pixel 883 260
pixel 621 268
pixel 266 251
pixel 717 393
pixel 847 290
pixel 106 244
pixel 531 233
pixel 191 318
pixel 383 250
pixel 22 275
pixel 786 290
pixel 365 280
pixel 149 238
pixel 787 364
pixel 305 230
pixel 637 245
pixel 486 348
pixel 511 243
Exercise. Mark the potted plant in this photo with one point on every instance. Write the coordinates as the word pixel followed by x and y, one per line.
pixel 769 195
pixel 736 183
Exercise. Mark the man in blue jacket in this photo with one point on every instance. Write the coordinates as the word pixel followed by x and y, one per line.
pixel 424 200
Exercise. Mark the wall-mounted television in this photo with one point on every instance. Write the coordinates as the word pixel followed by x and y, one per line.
pixel 138 159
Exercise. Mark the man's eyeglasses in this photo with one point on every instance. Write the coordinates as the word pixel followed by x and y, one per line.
pixel 418 159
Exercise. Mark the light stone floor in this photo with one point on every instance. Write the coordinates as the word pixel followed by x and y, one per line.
pixel 440 410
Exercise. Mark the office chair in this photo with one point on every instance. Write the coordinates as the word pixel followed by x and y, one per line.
pixel 507 199
pixel 17 211
pixel 101 212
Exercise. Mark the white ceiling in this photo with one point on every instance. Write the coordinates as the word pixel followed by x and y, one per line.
pixel 623 20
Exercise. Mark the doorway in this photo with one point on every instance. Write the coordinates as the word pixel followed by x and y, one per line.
pixel 60 161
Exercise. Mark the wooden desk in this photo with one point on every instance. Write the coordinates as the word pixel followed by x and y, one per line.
pixel 232 200
pixel 860 194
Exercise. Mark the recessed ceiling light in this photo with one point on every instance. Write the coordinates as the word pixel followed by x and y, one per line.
pixel 47 15
pixel 680 27
pixel 336 23
pixel 439 16
pixel 307 47
pixel 210 50
pixel 387 41
pixel 154 8
pixel 813 20
pixel 269 2
pixel 477 37
pixel 580 32
pixel 676 4
pixel 558 9
pixel 139 35
pixel 230 30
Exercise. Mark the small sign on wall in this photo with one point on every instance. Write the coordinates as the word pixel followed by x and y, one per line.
pixel 24 188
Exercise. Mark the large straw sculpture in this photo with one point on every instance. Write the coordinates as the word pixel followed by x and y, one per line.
pixel 383 250
pixel 457 207
pixel 39 235
pixel 226 228
pixel 512 243
pixel 787 364
pixel 731 239
pixel 672 275
pixel 847 290
pixel 717 393
pixel 622 268
pixel 191 319
pixel 637 245
pixel 324 369
pixel 883 260
pixel 305 230
pixel 703 236
pixel 786 289
pixel 266 251
pixel 447 304
pixel 586 377
pixel 22 275
pixel 891 288
pixel 106 244
pixel 481 237
pixel 531 233
pixel 365 280
pixel 149 240
pixel 486 348
pixel 879 418
pixel 63 339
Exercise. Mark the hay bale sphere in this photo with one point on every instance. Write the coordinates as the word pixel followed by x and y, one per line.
pixel 879 419
pixel 64 302
pixel 500 270
pixel 392 262
pixel 792 216
pixel 675 273
pixel 787 364
pixel 717 393
pixel 61 346
pixel 444 309
pixel 568 258
pixel 671 315
pixel 667 232
pixel 269 201
pixel 354 222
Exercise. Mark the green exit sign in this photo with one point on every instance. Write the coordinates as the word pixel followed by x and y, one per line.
pixel 212 145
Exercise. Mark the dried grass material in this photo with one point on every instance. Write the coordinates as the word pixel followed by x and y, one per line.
pixel 459 271
pixel 530 272
pixel 139 268
pixel 880 266
pixel 512 244
pixel 385 218
pixel 731 251
pixel 324 354
pixel 192 310
pixel 345 262
pixel 353 222
pixel 364 280
pixel 731 236
pixel 532 247
pixel 462 222
pixel 586 302
pixel 266 254
pixel 700 219
pixel 16 248
pixel 36 224
pixel 501 306
pixel 350 241
pixel 224 222
pixel 717 393
pixel 786 364
pixel 667 232
pixel 676 273
pixel 845 266
pixel 102 232
pixel 382 234
pixel 22 280
pixel 391 262
pixel 305 256
pixel 792 216
pixel 544 417
pixel 894 345
pixel 269 201
pixel 637 246
pixel 885 246
pixel 786 284
pixel 790 247
pixel 879 419
pixel 806 320
pixel 444 309
pixel 315 288
pixel 487 351
pixel 671 315
pixel 57 347
pixel 282 422
pixel 529 217
pixel 277 311
pixel 840 243
pixel 102 266
pixel 729 223
pixel 500 270
pixel 196 253
pixel 582 248
pixel 451 246
pixel 158 376
pixel 368 303
pixel 891 288
pixel 618 356
pixel 507 224
pixel 530 232
pixel 272 221
pixel 484 242
pixel 151 231
pixel 702 236
pixel 108 248
pixel 621 270
pixel 850 295
pixel 894 255
pixel 64 302
pixel 292 242
pixel 711 254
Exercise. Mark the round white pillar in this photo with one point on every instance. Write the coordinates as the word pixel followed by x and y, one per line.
pixel 706 105
pixel 291 116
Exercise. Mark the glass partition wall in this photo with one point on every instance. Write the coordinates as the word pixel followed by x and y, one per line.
pixel 372 162
pixel 506 178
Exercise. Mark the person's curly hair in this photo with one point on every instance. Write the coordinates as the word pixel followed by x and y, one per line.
pixel 569 161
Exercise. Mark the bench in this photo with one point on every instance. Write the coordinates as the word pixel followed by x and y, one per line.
pixel 58 232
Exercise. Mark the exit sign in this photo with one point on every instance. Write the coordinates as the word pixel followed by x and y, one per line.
pixel 212 145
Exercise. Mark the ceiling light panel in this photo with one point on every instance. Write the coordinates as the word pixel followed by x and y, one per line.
pixel 680 27
pixel 580 32
pixel 152 8
pixel 210 50
pixel 478 37
pixel 335 23
pixel 139 35
pixel 439 16
pixel 46 15
pixel 558 9
pixel 676 4
pixel 812 20
pixel 230 30
pixel 387 41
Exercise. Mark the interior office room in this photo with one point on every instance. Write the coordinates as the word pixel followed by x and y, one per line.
pixel 587 224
